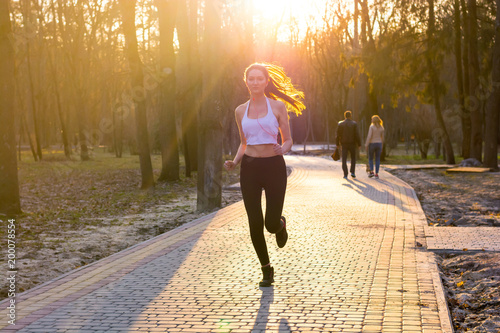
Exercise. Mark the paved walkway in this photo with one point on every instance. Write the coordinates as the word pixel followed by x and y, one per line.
pixel 353 263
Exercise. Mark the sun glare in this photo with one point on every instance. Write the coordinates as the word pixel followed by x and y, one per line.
pixel 288 15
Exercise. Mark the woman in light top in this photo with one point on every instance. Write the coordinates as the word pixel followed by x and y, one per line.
pixel 262 164
pixel 373 145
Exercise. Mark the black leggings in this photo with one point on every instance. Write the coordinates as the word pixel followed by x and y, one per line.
pixel 268 173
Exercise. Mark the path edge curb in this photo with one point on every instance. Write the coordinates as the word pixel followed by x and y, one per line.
pixel 443 309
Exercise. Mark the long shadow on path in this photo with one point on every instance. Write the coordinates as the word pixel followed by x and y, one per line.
pixel 381 193
pixel 266 299
pixel 122 299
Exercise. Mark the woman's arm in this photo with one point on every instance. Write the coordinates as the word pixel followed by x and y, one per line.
pixel 368 137
pixel 230 165
pixel 239 154
pixel 284 124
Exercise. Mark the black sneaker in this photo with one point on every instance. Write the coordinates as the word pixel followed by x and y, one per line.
pixel 353 175
pixel 268 276
pixel 282 235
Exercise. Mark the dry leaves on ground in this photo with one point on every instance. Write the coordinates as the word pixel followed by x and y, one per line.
pixel 471 281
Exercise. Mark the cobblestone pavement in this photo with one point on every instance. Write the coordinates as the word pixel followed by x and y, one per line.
pixel 463 238
pixel 356 261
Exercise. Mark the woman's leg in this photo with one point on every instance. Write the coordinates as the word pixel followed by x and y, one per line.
pixel 371 151
pixel 378 152
pixel 251 190
pixel 275 188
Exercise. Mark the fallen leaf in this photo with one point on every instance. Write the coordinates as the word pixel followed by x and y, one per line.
pixel 461 283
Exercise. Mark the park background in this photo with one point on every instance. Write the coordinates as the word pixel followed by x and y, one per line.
pixel 164 77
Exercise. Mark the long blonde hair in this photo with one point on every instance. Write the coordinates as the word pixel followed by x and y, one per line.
pixel 280 86
pixel 377 121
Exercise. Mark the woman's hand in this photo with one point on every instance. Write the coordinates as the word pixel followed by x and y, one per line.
pixel 278 149
pixel 229 165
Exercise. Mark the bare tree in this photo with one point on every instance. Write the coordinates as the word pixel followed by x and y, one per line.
pixel 434 81
pixel 190 84
pixel 64 133
pixel 209 193
pixel 138 92
pixel 493 104
pixel 9 185
pixel 459 74
pixel 168 137
pixel 474 103
pixel 28 24
pixel 465 116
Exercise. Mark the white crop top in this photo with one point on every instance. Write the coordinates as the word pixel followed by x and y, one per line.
pixel 262 130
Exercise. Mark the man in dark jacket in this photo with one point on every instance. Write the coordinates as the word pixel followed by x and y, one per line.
pixel 348 138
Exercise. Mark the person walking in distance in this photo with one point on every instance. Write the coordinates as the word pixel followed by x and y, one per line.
pixel 263 167
pixel 348 138
pixel 373 144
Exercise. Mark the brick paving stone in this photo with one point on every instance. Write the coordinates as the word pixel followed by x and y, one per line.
pixel 459 238
pixel 350 265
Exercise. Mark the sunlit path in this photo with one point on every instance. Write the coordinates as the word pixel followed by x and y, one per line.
pixel 352 264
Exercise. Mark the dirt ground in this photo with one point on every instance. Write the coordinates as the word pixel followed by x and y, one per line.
pixel 471 281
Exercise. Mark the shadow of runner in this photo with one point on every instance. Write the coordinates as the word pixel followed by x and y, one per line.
pixel 376 194
pixel 284 326
pixel 266 299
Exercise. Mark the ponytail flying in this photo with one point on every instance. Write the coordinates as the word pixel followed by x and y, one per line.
pixel 280 86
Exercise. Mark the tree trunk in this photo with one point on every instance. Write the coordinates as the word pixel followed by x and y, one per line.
pixel 190 88
pixel 28 22
pixel 168 135
pixel 437 149
pixel 138 92
pixel 493 105
pixel 51 57
pixel 423 147
pixel 33 105
pixel 118 133
pixel 434 78
pixel 24 126
pixel 9 185
pixel 460 79
pixel 465 116
pixel 474 102
pixel 64 133
pixel 28 136
pixel 209 195
pixel 83 133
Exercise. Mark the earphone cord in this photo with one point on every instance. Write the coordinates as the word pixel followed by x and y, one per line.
pixel 258 122
pixel 264 128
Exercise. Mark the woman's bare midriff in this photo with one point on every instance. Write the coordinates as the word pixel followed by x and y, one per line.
pixel 260 150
